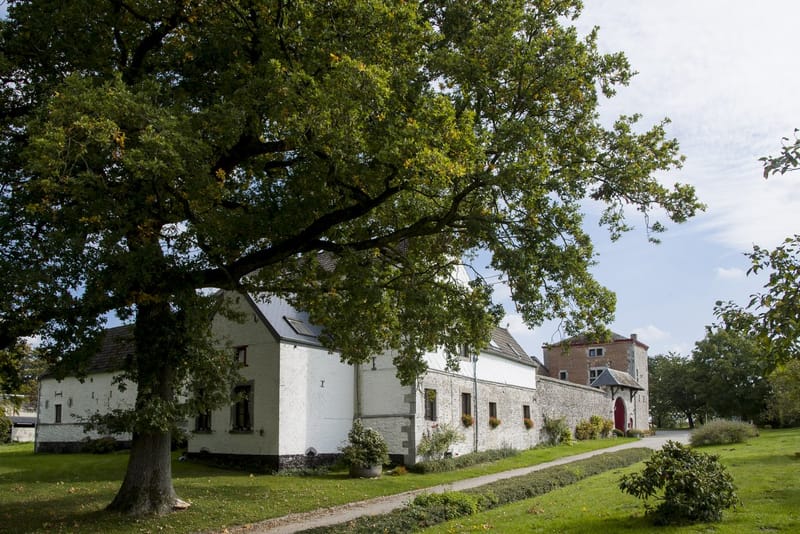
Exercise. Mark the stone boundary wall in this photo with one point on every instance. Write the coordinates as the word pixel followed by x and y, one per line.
pixel 559 398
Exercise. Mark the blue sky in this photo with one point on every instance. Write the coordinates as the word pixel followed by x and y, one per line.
pixel 725 73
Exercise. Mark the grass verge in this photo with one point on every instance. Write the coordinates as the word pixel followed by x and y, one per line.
pixel 68 493
pixel 766 471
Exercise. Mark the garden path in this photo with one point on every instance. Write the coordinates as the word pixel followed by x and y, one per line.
pixel 291 523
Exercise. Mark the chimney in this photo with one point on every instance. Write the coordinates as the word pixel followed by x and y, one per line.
pixel 634 338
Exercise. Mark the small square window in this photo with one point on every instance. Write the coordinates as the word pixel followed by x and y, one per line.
pixel 563 375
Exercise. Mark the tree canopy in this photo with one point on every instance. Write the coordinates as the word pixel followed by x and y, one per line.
pixel 343 154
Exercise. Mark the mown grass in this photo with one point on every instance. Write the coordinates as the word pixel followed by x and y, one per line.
pixel 68 493
pixel 766 471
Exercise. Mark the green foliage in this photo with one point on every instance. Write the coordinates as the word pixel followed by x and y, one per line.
pixel 722 432
pixel 557 430
pixel 596 427
pixel 366 447
pixel 691 486
pixel 784 404
pixel 434 444
pixel 5 426
pixel 730 374
pixel 460 462
pixel 673 386
pixel 169 147
pixel 771 316
pixel 634 433
pixel 467 420
pixel 494 422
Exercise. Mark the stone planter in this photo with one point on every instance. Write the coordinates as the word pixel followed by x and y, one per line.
pixel 373 471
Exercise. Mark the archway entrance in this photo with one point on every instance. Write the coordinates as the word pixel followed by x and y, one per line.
pixel 619 414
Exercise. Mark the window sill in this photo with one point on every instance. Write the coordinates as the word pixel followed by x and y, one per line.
pixel 247 431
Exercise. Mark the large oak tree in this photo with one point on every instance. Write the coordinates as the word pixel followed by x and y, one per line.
pixel 343 154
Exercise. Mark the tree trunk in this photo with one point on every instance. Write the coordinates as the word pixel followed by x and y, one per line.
pixel 147 488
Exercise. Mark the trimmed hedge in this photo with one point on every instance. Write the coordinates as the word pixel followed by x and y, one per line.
pixel 431 509
pixel 460 462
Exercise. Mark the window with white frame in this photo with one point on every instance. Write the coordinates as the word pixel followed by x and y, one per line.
pixel 563 375
pixel 596 351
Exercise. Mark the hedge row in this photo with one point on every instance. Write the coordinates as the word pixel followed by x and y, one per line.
pixel 460 462
pixel 431 509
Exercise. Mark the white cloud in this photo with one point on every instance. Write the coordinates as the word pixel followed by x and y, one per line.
pixel 650 334
pixel 732 273
pixel 719 70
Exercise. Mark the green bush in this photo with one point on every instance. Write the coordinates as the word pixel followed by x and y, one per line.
pixel 596 427
pixel 634 433
pixel 433 445
pixel 366 447
pixel 722 432
pixel 460 462
pixel 557 430
pixel 691 486
pixel 430 509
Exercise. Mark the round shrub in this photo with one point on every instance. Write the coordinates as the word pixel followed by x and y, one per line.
pixel 690 486
pixel 366 447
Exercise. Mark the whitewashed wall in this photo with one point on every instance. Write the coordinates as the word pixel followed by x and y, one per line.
pixel 263 358
pixel 317 400
pixel 96 393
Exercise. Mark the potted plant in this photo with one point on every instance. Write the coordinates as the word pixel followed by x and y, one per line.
pixel 467 420
pixel 528 422
pixel 366 451
pixel 494 422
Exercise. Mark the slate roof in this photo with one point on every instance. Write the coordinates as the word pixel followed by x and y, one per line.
pixel 613 377
pixel 504 344
pixel 116 348
pixel 285 322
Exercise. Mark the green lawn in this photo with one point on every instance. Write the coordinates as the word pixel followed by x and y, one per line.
pixel 67 493
pixel 766 471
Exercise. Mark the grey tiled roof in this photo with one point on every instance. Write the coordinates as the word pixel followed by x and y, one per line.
pixel 613 377
pixel 504 344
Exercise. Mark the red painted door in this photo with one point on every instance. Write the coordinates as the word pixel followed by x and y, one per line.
pixel 619 414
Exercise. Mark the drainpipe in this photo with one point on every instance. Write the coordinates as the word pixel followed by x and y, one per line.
pixel 475 396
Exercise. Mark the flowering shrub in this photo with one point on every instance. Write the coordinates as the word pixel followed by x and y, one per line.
pixel 494 422
pixel 433 445
pixel 467 420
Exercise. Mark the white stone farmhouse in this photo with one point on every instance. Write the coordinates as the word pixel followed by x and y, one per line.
pixel 298 400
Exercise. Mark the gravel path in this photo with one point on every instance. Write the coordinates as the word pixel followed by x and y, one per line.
pixel 339 514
